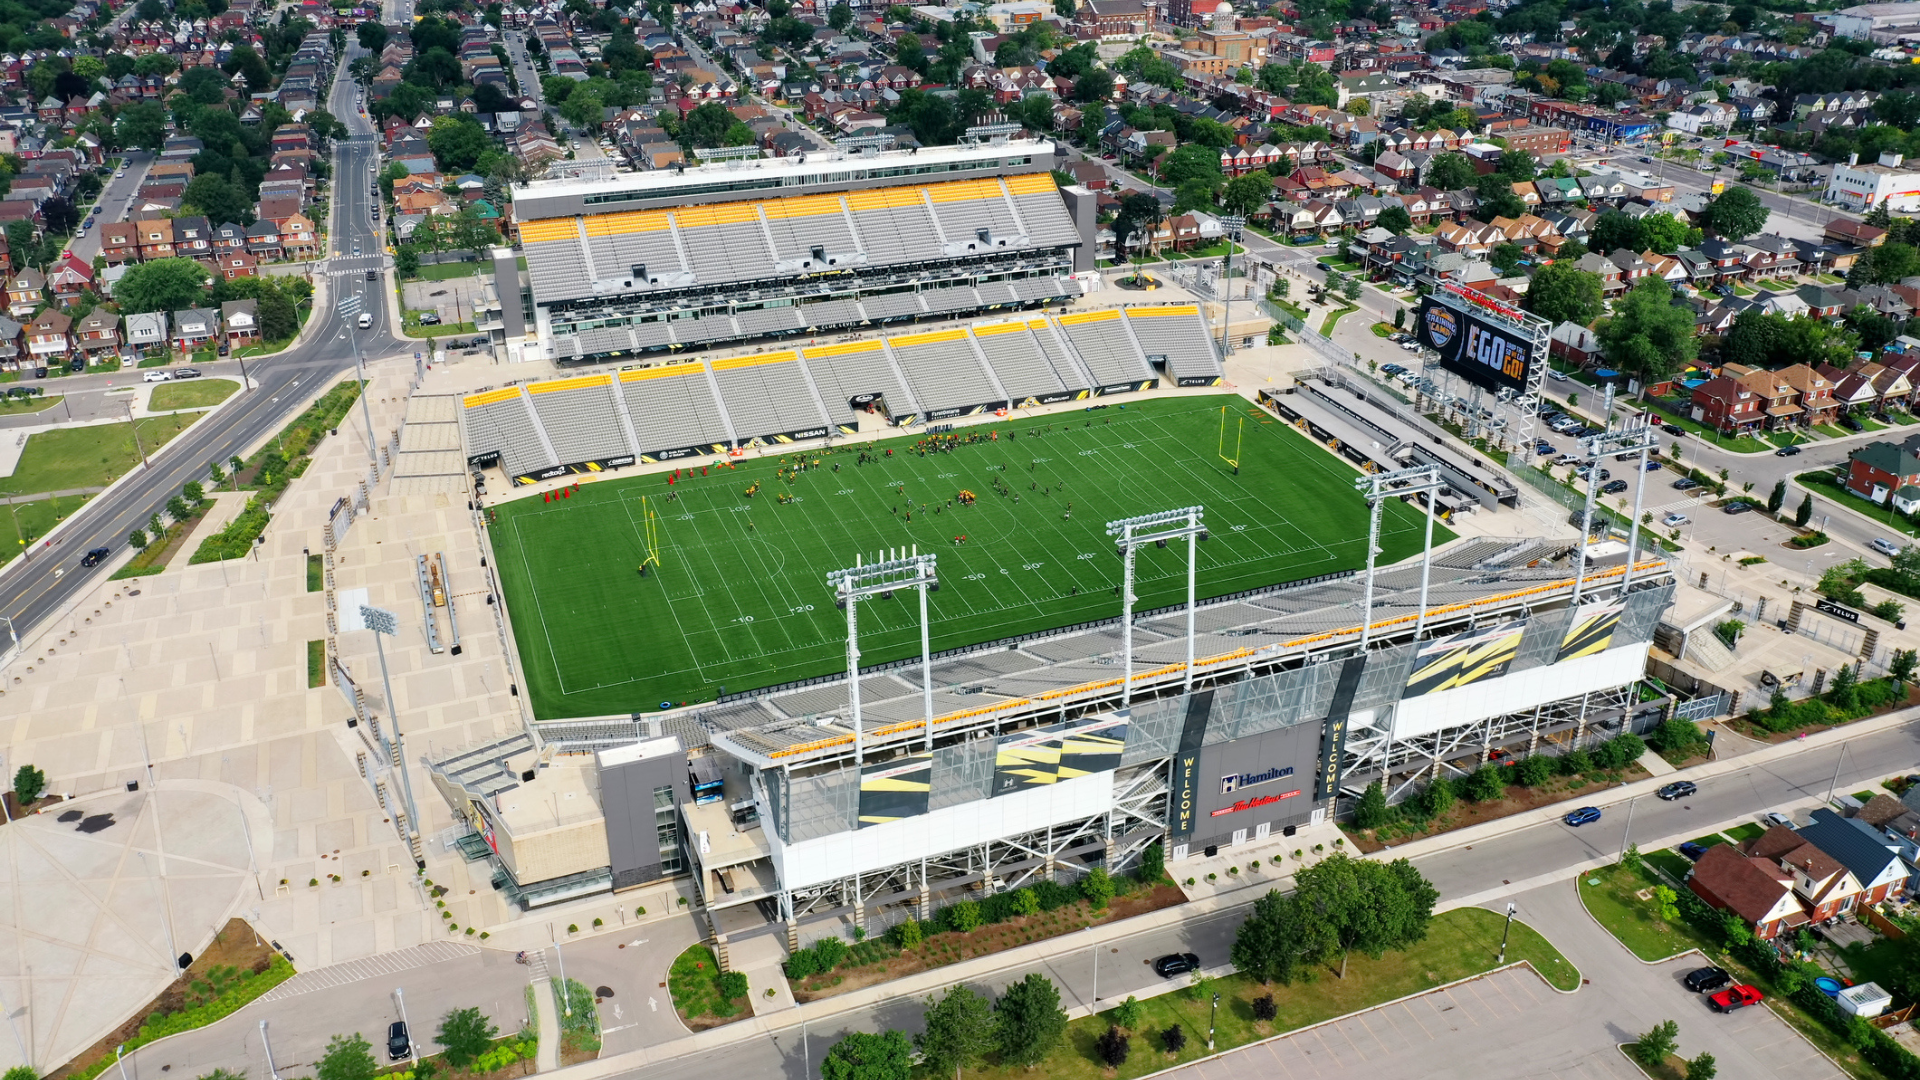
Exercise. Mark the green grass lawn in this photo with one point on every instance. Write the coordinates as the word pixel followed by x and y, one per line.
pixel 1752 830
pixel 1709 840
pixel 1832 430
pixel 14 406
pixel 1617 906
pixel 316 664
pixel 1870 424
pixel 1326 328
pixel 1829 279
pixel 694 983
pixel 447 271
pixel 740 597
pixel 1773 285
pixel 84 457
pixel 192 394
pixel 412 328
pixel 1742 290
pixel 34 519
pixel 1742 444
pixel 1674 863
pixel 1459 944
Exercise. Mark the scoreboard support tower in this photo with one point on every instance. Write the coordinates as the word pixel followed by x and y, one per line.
pixel 1526 328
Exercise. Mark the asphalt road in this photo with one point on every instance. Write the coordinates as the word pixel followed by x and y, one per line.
pixel 37 589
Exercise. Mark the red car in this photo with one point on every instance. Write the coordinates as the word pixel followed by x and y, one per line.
pixel 1738 996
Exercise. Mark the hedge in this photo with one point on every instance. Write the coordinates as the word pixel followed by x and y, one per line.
pixel 160 1025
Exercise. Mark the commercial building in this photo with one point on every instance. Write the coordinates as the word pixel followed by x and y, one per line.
pixel 1875 22
pixel 745 248
pixel 1890 182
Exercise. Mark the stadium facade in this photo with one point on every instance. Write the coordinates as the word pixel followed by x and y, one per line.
pixel 1035 767
pixel 750 249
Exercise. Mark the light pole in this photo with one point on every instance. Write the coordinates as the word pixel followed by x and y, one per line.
pixel 1376 488
pixel 135 428
pixel 566 999
pixel 911 570
pixel 1096 971
pixel 1836 772
pixel 1231 225
pixel 1211 1017
pixel 1503 933
pixel 413 1052
pixel 272 1071
pixel 1156 529
pixel 1624 836
pixel 347 307
pixel 385 623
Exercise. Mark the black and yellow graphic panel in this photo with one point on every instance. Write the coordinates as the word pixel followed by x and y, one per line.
pixel 896 789
pixel 1464 658
pixel 1591 631
pixel 1049 755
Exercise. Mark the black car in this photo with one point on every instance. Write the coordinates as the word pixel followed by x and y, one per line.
pixel 77 364
pixel 1707 979
pixel 1787 451
pixel 1174 964
pixel 1614 488
pixel 1737 507
pixel 1679 789
pixel 373 275
pixel 94 557
pixel 40 372
pixel 1851 424
pixel 186 373
pixel 1672 431
pixel 398 1045
pixel 1685 483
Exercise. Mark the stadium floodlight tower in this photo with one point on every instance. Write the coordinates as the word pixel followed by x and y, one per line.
pixel 909 570
pixel 1639 437
pixel 1377 488
pixel 1230 227
pixel 1157 529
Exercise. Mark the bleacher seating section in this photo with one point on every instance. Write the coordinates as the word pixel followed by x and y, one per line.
pixel 758 240
pixel 1178 333
pixel 710 405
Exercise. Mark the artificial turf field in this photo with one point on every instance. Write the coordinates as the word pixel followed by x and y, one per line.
pixel 739 598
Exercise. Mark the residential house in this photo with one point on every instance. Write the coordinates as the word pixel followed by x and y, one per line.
pixel 1866 854
pixel 1612 278
pixel 1755 891
pixel 263 241
pixel 1823 884
pixel 298 238
pixel 26 291
pixel 236 264
pixel 147 331
pixel 156 239
pixel 242 320
pixel 1724 405
pixel 1883 470
pixel 70 278
pixel 1777 407
pixel 1574 344
pixel 1814 393
pixel 98 333
pixel 194 327
pixel 48 341
pixel 120 243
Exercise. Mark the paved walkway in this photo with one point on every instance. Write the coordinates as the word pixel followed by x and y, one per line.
pixel 546 1023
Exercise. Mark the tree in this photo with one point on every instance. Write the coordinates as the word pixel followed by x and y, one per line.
pixel 1534 770
pixel 143 125
pixel 1653 1047
pixel 1028 1020
pixel 161 285
pixel 1437 799
pixel 1778 497
pixel 372 35
pixel 466 1033
pixel 1667 234
pixel 1113 1044
pixel 1613 230
pixel 1129 1013
pixel 346 1058
pixel 193 492
pixel 1735 214
pixel 1095 85
pixel 1153 863
pixel 137 540
pixel 1903 663
pixel 1139 212
pixel 1702 1067
pixel 1371 811
pixel 177 509
pixel 1488 783
pixel 1506 258
pixel 217 198
pixel 29 783
pixel 959 1031
pixel 1353 904
pixel 1804 513
pixel 840 16
pixel 1245 195
pixel 246 63
pixel 861 1056
pixel 1267 946
pixel 1191 161
pixel 1889 262
pixel 1395 220
pixel 1174 1039
pixel 1560 293
pixel 1630 859
pixel 1648 337
pixel 1451 171
pixel 1097 887
pixel 457 141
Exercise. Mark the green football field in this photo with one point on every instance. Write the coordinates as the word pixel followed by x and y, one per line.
pixel 739 599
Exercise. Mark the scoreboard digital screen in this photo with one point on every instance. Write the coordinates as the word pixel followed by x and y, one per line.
pixel 1477 349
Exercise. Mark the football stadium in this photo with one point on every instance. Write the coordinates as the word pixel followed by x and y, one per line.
pixel 681 532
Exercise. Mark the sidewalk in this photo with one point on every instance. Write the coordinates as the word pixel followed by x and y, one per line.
pixel 546 1021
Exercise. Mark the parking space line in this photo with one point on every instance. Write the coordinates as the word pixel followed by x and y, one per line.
pixel 1380 1044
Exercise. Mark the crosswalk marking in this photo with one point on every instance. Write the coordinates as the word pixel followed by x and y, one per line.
pixel 306 982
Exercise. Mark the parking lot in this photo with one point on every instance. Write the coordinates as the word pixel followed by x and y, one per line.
pixel 452 300
pixel 1513 1026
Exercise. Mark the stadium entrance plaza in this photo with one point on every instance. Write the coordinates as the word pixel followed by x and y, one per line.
pixel 194 682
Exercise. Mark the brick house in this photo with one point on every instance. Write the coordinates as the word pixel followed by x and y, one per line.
pixel 1823 884
pixel 242 320
pixel 120 243
pixel 98 333
pixel 1883 470
pixel 1724 405
pixel 1861 848
pixel 25 291
pixel 1815 393
pixel 47 338
pixel 1755 891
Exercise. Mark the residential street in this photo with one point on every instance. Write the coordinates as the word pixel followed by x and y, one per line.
pixel 115 203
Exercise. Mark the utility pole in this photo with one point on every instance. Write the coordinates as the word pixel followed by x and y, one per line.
pixel 1624 836
pixel 135 428
pixel 1836 772
pixel 1503 934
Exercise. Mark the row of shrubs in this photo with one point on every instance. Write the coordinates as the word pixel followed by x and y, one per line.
pixel 1096 888
pixel 1848 698
pixel 1490 781
pixel 1794 981
pixel 282 462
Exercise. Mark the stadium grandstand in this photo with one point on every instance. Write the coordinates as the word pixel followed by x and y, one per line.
pixel 710 405
pixel 751 249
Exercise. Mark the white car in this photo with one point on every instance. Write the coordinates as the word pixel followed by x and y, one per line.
pixel 154 376
pixel 1674 521
pixel 1885 546
pixel 1557 376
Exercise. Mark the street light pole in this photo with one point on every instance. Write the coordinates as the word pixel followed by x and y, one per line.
pixel 1629 832
pixel 1836 772
pixel 1503 934
pixel 271 1070
pixel 413 1045
pixel 1211 1017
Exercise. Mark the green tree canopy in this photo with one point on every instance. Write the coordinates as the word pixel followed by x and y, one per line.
pixel 1735 214
pixel 861 1056
pixel 1562 293
pixel 143 125
pixel 959 1031
pixel 466 1034
pixel 162 285
pixel 1451 172
pixel 217 198
pixel 1349 904
pixel 1028 1020
pixel 457 141
pixel 1268 945
pixel 1395 220
pixel 1648 336
pixel 346 1058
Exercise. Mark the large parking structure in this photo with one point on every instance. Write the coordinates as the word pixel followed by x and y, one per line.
pixel 739 598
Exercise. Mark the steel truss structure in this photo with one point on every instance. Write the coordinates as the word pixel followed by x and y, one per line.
pixel 1064 852
pixel 1555 727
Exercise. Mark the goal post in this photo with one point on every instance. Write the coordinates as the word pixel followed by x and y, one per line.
pixel 649 535
pixel 1239 437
